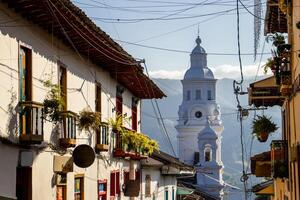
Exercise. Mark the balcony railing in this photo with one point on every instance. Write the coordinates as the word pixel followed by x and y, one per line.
pixel 68 129
pixel 102 138
pixel 31 122
pixel 279 159
pixel 265 93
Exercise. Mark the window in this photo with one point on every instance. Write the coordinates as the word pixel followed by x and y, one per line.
pixel 148 185
pixel 102 189
pixel 166 194
pixel 61 186
pixel 78 188
pixel 61 192
pixel 114 184
pixel 207 153
pixel 63 85
pixel 25 73
pixel 173 193
pixel 198 94
pixel 188 95
pixel 102 134
pixel 209 97
pixel 98 97
pixel 119 100
pixel 134 113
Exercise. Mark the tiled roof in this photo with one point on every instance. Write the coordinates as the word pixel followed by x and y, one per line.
pixel 65 21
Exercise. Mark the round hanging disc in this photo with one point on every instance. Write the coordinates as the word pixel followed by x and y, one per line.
pixel 83 155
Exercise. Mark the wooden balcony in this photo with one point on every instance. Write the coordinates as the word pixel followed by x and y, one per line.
pixel 261 164
pixel 68 129
pixel 265 93
pixel 102 140
pixel 31 122
pixel 279 159
pixel 121 151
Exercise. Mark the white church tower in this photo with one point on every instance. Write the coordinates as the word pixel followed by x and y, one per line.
pixel 199 126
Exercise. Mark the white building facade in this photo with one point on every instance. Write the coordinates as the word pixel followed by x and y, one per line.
pixel 93 73
pixel 199 126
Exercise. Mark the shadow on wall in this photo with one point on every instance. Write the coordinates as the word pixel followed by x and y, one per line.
pixel 12 123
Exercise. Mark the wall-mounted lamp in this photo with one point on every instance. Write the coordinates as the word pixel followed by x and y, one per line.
pixel 113 109
pixel 125 114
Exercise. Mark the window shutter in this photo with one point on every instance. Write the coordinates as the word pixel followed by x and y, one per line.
pixel 118 183
pixel 112 184
pixel 134 117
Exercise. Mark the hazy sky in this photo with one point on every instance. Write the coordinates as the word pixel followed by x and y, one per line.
pixel 173 24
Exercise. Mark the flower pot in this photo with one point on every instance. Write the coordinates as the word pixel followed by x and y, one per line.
pixel 263 137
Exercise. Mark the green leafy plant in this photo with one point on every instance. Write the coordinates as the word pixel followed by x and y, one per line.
pixel 53 103
pixel 139 142
pixel 276 39
pixel 116 123
pixel 270 64
pixel 89 120
pixel 131 140
pixel 262 126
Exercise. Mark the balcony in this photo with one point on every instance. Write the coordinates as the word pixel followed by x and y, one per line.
pixel 261 164
pixel 68 129
pixel 121 149
pixel 265 93
pixel 31 122
pixel 102 141
pixel 279 159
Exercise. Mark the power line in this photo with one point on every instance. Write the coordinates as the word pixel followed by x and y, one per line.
pixel 183 51
pixel 160 118
pixel 136 20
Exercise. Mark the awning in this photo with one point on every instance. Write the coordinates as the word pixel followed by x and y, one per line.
pixel 184 191
pixel 265 188
pixel 261 164
pixel 265 93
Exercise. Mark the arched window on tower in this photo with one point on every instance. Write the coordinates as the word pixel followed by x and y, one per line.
pixel 198 95
pixel 207 153
pixel 188 95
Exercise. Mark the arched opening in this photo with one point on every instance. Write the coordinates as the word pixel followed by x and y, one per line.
pixel 207 153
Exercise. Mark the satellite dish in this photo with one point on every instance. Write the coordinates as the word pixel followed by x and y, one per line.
pixel 83 156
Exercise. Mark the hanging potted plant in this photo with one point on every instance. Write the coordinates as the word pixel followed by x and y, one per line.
pixel 89 120
pixel 262 126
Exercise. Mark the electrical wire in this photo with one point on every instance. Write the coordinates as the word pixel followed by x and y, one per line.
pixel 83 35
pixel 250 11
pixel 160 118
pixel 183 51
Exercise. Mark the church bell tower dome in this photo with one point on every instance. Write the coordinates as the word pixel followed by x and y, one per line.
pixel 198 69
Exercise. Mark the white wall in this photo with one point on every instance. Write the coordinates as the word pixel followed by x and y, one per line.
pixel 159 183
pixel 46 52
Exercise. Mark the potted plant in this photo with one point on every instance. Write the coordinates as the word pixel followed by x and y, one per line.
pixel 89 120
pixel 276 39
pixel 53 103
pixel 270 64
pixel 262 126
